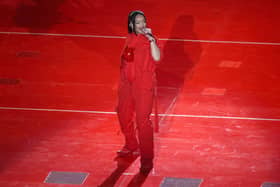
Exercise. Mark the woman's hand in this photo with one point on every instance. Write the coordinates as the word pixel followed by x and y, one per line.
pixel 148 33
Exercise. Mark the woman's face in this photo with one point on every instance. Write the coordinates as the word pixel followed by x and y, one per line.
pixel 140 24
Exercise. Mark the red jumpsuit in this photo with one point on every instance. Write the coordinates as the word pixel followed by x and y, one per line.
pixel 136 95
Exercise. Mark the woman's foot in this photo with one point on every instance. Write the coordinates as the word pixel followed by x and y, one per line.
pixel 127 152
pixel 146 166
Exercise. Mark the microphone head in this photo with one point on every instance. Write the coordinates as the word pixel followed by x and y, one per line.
pixel 145 30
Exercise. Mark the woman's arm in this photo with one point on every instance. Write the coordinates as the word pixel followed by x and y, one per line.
pixel 155 52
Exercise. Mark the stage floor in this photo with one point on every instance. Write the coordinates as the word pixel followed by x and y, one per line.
pixel 218 92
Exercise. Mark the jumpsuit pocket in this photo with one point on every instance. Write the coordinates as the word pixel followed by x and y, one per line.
pixel 128 54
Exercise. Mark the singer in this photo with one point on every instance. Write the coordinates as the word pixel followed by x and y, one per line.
pixel 136 90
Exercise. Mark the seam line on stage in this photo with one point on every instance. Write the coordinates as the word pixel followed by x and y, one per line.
pixel 122 37
pixel 165 115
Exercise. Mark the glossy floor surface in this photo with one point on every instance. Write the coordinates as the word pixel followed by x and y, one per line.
pixel 218 91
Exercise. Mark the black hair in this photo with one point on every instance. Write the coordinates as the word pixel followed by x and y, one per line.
pixel 131 20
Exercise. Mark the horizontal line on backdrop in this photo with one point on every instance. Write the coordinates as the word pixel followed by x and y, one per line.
pixel 122 37
pixel 166 115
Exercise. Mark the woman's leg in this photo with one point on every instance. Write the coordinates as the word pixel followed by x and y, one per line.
pixel 144 104
pixel 125 112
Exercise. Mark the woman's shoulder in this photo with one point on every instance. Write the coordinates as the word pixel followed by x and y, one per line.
pixel 137 40
pixel 129 37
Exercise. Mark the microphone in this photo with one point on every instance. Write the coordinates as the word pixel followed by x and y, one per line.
pixel 147 31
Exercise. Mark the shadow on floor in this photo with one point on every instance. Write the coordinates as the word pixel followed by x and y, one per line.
pixel 122 164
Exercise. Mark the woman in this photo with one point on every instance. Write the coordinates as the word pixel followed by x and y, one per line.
pixel 136 90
